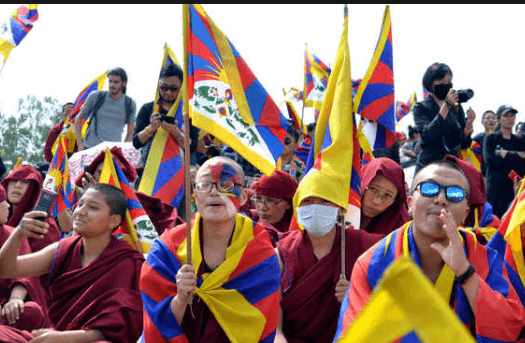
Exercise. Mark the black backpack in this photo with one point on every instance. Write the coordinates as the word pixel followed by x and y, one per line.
pixel 101 96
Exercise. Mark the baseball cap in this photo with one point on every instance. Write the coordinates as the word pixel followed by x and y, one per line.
pixel 504 109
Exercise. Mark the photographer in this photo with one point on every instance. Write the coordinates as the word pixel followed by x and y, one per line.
pixel 440 119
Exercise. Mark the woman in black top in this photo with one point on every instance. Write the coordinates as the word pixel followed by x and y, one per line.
pixel 439 119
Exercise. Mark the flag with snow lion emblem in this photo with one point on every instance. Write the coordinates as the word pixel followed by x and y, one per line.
pixel 225 98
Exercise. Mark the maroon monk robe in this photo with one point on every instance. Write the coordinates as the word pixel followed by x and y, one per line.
pixel 396 214
pixel 34 315
pixel 310 308
pixel 28 202
pixel 104 295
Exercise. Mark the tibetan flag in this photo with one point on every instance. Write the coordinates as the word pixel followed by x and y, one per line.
pixel 404 301
pixel 225 98
pixel 426 93
pixel 508 241
pixel 316 74
pixel 96 85
pixel 57 179
pixel 335 145
pixel 375 98
pixel 137 228
pixel 293 100
pixel 14 30
pixel 163 176
pixel 474 154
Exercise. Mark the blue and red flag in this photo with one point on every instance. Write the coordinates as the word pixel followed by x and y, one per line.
pixel 404 108
pixel 137 229
pixel 316 74
pixel 57 179
pixel 163 176
pixel 16 28
pixel 225 98
pixel 95 85
pixel 335 146
pixel 426 93
pixel 375 98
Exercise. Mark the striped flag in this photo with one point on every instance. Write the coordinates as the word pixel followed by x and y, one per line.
pixel 404 108
pixel 57 179
pixel 163 176
pixel 16 28
pixel 137 228
pixel 375 98
pixel 225 98
pixel 316 74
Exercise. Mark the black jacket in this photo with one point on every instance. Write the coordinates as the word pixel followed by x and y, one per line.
pixel 439 137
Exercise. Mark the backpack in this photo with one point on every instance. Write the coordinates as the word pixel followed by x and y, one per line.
pixel 101 96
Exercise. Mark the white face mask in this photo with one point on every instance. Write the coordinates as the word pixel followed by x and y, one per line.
pixel 317 220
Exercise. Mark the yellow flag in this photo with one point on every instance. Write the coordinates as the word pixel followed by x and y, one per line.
pixel 405 301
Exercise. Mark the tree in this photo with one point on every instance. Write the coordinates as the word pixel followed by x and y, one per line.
pixel 26 134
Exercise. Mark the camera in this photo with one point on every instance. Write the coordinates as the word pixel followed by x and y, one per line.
pixel 167 119
pixel 464 95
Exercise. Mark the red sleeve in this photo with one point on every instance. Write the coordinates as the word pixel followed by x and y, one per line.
pixel 51 137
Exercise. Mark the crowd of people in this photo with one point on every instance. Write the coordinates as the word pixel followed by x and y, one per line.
pixel 272 257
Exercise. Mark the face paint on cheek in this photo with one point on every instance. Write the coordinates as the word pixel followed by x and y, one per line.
pixel 222 172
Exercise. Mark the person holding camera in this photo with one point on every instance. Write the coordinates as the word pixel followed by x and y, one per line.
pixel 440 119
pixel 148 122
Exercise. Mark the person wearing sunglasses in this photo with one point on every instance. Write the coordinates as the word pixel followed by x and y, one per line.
pixel 290 162
pixel 148 122
pixel 471 276
pixel 233 276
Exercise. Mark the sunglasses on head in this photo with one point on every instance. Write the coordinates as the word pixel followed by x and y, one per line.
pixel 431 189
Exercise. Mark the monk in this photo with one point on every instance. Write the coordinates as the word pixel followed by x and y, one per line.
pixel 93 276
pixel 476 281
pixel 233 279
pixel 273 202
pixel 313 286
pixel 383 204
pixel 163 216
pixel 23 186
pixel 22 300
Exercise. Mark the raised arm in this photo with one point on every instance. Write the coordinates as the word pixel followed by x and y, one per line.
pixel 35 264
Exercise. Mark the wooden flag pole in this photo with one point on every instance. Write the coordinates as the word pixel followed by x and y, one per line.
pixel 343 246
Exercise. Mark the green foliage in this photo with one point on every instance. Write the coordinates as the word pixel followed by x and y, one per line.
pixel 25 135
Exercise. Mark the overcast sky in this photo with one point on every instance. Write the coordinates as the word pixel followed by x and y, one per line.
pixel 72 44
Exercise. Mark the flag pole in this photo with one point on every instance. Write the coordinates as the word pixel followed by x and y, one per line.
pixel 304 92
pixel 342 217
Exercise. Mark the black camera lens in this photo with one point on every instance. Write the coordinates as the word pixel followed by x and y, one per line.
pixel 465 95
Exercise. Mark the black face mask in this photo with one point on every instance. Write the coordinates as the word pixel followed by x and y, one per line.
pixel 441 90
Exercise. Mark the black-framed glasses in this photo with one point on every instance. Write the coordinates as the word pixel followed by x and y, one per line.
pixel 431 189
pixel 222 186
pixel 166 88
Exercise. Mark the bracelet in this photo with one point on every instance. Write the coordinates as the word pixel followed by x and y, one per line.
pixel 147 132
pixel 462 279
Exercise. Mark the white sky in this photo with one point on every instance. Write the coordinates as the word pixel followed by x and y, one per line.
pixel 72 44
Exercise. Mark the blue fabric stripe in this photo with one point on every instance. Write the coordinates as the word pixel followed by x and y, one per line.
pixel 342 311
pixel 163 260
pixel 162 316
pixel 516 282
pixel 256 97
pixel 481 339
pixel 259 281
pixel 274 144
pixel 388 119
pixel 495 279
pixel 200 30
pixel 497 242
pixel 374 91
pixel 380 261
pixel 166 171
pixel 269 339
pixel 386 55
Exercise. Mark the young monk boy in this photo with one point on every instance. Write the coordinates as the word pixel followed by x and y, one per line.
pixel 93 276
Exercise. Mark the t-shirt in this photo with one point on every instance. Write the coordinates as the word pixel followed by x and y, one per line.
pixel 110 119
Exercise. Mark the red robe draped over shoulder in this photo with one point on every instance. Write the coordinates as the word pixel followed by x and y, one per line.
pixel 104 295
pixel 310 308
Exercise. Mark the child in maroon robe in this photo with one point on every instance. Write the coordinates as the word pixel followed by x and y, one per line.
pixel 93 277
pixel 26 202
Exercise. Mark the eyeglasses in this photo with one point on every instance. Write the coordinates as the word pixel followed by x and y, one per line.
pixel 382 197
pixel 165 88
pixel 258 200
pixel 222 186
pixel 430 189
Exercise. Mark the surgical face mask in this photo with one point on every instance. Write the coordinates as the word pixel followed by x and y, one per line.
pixel 317 220
pixel 441 90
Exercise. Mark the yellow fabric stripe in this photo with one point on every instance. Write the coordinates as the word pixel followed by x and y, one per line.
pixel 230 66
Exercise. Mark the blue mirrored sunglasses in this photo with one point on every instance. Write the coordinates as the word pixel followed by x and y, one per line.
pixel 431 189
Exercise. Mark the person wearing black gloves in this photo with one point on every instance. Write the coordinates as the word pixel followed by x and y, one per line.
pixel 440 119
